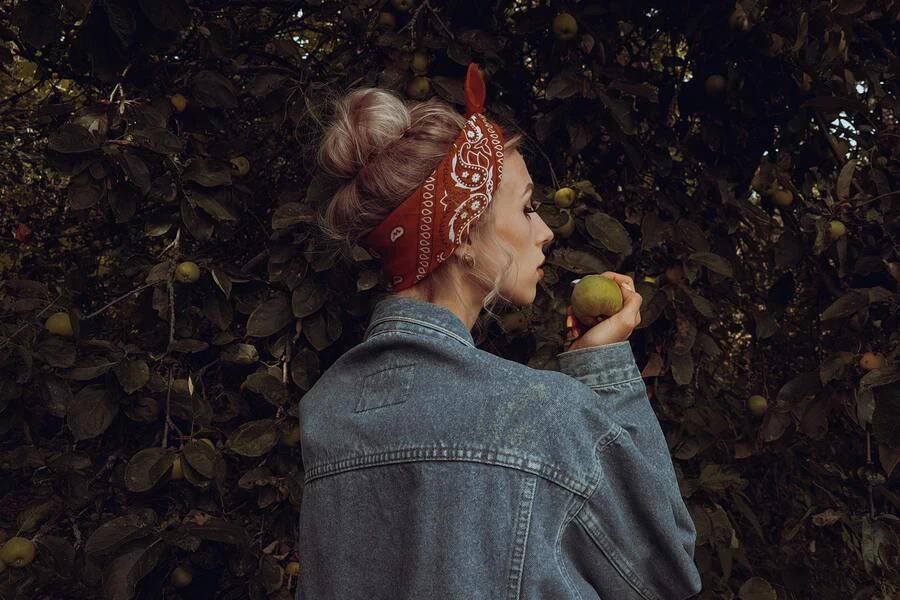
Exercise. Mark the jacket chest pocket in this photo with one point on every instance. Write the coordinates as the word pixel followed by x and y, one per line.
pixel 385 387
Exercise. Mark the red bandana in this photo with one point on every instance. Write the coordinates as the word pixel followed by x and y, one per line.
pixel 428 226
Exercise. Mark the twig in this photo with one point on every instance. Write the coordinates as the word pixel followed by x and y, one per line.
pixel 110 462
pixel 15 97
pixel 165 442
pixel 869 485
pixel 670 116
pixel 201 370
pixel 544 154
pixel 870 200
pixel 287 360
pixel 839 160
pixel 119 299
pixel 438 18
pixel 19 330
pixel 245 270
pixel 411 22
pixel 171 288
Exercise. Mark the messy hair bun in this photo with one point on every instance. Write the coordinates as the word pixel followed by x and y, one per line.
pixel 380 149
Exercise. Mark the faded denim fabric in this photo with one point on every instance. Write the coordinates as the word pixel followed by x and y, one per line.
pixel 436 470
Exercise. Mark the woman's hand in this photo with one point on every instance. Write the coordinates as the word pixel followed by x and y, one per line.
pixel 616 328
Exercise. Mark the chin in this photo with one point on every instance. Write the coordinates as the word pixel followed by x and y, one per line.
pixel 523 297
pixel 521 292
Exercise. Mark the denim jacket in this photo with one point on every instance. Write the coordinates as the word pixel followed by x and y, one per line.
pixel 436 470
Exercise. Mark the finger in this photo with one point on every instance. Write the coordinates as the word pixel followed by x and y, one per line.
pixel 586 322
pixel 631 297
pixel 623 280
pixel 571 324
pixel 631 308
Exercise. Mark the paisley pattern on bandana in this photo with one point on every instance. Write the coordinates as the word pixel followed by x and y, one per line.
pixel 472 170
pixel 443 208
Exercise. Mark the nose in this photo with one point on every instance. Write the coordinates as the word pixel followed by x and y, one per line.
pixel 548 234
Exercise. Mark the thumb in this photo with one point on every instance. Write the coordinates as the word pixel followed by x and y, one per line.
pixel 631 306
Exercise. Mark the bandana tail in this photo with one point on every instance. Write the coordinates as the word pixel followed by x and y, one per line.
pixel 475 91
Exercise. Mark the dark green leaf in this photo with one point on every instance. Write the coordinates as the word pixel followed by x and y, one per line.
pixel 619 110
pixel 564 85
pixel 201 458
pixel 160 141
pixel 215 207
pixel 166 15
pixel 291 213
pixel 136 171
pixel 118 531
pixel 242 354
pixel 608 231
pixel 254 438
pixel 208 173
pixel 307 298
pixel 213 90
pixel 757 588
pixel 268 386
pixel 449 89
pixel 71 139
pixel 91 411
pixel 682 368
pixel 799 388
pixel 269 317
pixel 714 262
pixel 132 374
pixel 271 573
pixel 305 369
pixel 57 352
pixel 121 20
pixel 147 467
pixel 846 305
pixel 844 180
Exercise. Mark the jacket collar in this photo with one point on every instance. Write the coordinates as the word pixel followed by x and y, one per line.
pixel 394 312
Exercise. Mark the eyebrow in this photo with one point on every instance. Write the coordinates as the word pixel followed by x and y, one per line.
pixel 528 188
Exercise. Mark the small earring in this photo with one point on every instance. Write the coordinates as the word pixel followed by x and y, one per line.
pixel 469 260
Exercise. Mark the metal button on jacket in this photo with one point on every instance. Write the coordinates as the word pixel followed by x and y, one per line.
pixel 435 470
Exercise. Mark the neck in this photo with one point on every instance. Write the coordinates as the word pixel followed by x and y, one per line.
pixel 466 306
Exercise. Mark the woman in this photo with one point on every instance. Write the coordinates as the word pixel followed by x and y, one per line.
pixel 436 470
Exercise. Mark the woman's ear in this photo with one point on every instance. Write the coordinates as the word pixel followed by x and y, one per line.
pixel 464 248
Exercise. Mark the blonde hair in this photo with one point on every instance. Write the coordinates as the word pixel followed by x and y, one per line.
pixel 380 149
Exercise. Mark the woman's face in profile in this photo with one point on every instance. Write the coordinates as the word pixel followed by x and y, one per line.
pixel 523 230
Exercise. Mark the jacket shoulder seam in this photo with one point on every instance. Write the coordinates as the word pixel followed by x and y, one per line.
pixel 520 539
pixel 589 523
pixel 486 455
pixel 419 322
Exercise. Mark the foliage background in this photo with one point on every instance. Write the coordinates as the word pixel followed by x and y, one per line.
pixel 106 187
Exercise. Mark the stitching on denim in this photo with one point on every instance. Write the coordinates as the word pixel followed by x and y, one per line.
pixel 426 324
pixel 412 333
pixel 598 447
pixel 520 540
pixel 557 544
pixel 619 562
pixel 594 348
pixel 601 386
pixel 613 434
pixel 389 369
pixel 399 397
pixel 513 460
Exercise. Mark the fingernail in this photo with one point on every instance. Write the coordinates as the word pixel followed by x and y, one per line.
pixel 576 281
